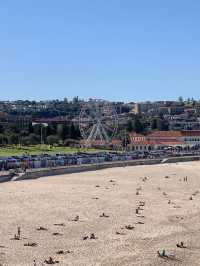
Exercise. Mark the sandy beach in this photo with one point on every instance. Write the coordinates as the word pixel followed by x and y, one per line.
pixel 118 216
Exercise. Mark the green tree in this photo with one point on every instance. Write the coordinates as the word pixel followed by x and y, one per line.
pixel 72 131
pixel 13 139
pixel 34 139
pixel 60 131
pixel 162 124
pixel 1 129
pixel 52 139
pixel 130 126
pixel 3 139
pixel 138 127
pixel 154 124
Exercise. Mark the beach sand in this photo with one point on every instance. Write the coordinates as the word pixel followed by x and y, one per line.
pixel 171 214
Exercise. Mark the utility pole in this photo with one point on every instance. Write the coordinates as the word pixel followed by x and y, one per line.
pixel 41 138
pixel 125 142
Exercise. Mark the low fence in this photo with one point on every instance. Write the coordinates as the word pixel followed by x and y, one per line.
pixel 34 174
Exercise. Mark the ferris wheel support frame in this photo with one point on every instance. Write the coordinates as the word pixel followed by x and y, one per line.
pixel 98 114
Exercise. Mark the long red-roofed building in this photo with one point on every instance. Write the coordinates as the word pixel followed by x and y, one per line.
pixel 160 139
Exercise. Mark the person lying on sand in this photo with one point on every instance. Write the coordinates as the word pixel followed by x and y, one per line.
pixel 92 236
pixel 161 254
pixel 57 234
pixel 61 224
pixel 104 215
pixel 62 252
pixel 30 244
pixel 171 256
pixel 51 261
pixel 129 227
pixel 140 222
pixel 41 228
pixel 119 233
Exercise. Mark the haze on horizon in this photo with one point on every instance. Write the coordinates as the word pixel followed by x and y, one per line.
pixel 116 50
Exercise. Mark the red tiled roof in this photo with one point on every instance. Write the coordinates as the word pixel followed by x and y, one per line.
pixel 116 142
pixel 172 143
pixel 160 142
pixel 134 134
pixel 174 134
pixel 144 142
pixel 191 133
pixel 165 134
pixel 168 139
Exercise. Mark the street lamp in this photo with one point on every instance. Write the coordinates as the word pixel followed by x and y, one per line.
pixel 42 125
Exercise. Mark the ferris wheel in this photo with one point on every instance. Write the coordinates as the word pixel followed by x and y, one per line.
pixel 98 121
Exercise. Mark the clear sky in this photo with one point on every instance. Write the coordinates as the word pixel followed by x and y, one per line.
pixel 114 49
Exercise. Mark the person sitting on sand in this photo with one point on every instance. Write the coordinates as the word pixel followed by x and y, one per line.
pixel 51 261
pixel 142 203
pixel 16 237
pixel 181 245
pixel 104 215
pixel 92 236
pixel 76 219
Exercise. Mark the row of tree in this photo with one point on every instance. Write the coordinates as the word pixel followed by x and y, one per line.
pixel 63 134
pixel 140 124
pixel 52 134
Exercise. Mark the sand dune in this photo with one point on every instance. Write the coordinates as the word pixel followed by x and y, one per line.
pixel 133 212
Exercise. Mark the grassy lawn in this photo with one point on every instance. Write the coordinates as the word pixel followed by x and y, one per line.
pixel 38 149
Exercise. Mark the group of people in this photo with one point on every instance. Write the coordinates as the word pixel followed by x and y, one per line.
pixel 58 160
pixel 49 161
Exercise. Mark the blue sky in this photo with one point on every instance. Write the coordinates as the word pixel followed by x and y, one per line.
pixel 114 49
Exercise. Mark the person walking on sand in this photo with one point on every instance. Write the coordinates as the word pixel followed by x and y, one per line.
pixel 19 231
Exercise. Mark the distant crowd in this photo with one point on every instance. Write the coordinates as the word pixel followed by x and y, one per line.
pixel 59 160
pixel 49 161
